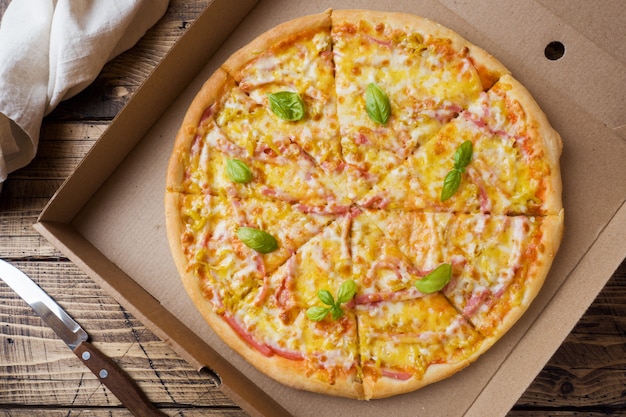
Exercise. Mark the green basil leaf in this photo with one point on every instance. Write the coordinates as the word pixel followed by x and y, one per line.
pixel 326 297
pixel 257 239
pixel 451 184
pixel 317 313
pixel 463 155
pixel 238 171
pixel 346 291
pixel 336 312
pixel 287 105
pixel 436 280
pixel 377 104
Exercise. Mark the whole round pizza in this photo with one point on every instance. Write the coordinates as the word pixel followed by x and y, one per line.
pixel 362 203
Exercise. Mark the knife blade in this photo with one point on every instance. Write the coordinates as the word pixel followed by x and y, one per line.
pixel 76 338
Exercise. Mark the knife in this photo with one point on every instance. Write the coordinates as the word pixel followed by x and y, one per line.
pixel 107 371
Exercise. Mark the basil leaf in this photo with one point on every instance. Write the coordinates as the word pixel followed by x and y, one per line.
pixel 436 280
pixel 287 105
pixel 257 239
pixel 326 297
pixel 451 184
pixel 317 313
pixel 336 312
pixel 238 171
pixel 377 104
pixel 346 291
pixel 463 155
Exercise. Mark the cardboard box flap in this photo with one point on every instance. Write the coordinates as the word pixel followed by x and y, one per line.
pixel 589 73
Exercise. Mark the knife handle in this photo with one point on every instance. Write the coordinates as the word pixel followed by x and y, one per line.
pixel 116 380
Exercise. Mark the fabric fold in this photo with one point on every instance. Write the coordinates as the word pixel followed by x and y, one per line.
pixel 52 49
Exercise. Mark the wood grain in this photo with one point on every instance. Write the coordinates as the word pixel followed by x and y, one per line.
pixel 40 376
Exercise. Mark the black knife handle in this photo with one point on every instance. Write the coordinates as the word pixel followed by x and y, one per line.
pixel 116 380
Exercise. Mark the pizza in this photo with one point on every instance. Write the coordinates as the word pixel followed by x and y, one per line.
pixel 362 203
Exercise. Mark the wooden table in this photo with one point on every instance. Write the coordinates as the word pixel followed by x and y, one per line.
pixel 39 376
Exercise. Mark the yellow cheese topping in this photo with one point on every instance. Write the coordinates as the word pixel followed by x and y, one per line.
pixel 426 88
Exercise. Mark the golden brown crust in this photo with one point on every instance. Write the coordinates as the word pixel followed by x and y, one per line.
pixel 175 228
pixel 269 40
pixel 294 372
pixel 551 235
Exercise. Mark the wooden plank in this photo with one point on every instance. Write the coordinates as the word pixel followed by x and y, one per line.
pixel 567 413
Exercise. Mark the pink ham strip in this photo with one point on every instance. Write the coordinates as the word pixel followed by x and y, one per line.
pixel 264 349
pixel 373 298
pixel 400 376
pixel 227 147
pixel 284 296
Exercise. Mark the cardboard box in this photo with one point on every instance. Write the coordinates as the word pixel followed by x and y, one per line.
pixel 108 217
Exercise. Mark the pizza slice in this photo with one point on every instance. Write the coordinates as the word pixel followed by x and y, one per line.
pixel 498 263
pixel 503 262
pixel 399 78
pixel 500 156
pixel 257 302
pixel 405 345
pixel 320 353
pixel 286 79
pixel 220 271
pixel 407 339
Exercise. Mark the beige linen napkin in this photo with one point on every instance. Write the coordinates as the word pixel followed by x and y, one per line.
pixel 52 49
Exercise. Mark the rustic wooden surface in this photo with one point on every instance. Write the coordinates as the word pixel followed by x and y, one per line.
pixel 39 376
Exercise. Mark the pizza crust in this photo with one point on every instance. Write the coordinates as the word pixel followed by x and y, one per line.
pixel 385 387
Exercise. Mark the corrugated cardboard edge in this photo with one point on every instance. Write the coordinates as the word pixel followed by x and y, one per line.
pixel 54 222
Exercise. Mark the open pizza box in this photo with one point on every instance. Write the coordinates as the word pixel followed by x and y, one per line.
pixel 109 219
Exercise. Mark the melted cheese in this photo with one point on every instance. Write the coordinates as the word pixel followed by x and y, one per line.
pixel 426 88
pixel 409 336
pixel 500 179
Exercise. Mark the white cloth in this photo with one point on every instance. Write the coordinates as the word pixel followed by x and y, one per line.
pixel 52 49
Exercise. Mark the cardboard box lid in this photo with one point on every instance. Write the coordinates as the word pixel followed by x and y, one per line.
pixel 112 206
